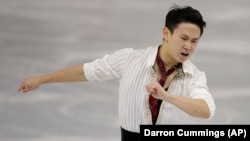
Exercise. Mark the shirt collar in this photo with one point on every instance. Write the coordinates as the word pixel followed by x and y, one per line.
pixel 182 68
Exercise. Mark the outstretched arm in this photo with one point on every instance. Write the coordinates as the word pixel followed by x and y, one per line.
pixel 71 74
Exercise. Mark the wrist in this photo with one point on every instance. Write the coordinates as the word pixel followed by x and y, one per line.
pixel 42 79
pixel 166 96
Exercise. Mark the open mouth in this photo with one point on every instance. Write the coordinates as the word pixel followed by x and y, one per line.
pixel 184 54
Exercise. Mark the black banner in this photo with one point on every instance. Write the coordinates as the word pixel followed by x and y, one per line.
pixel 203 132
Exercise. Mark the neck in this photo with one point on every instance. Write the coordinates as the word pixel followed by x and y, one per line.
pixel 166 58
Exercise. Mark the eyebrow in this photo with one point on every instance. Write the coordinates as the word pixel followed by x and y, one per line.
pixel 189 37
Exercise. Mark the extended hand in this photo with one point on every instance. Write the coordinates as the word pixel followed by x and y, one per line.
pixel 29 84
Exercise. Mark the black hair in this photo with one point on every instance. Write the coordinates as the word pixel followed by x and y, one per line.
pixel 177 15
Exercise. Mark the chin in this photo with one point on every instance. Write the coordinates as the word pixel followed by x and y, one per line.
pixel 182 59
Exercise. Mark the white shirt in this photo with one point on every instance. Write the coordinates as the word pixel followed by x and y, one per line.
pixel 134 69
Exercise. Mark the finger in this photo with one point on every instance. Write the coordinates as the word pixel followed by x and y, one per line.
pixel 26 89
pixel 148 87
pixel 152 90
pixel 155 95
pixel 21 87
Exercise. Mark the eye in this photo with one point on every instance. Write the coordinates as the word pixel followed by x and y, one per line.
pixel 194 41
pixel 184 38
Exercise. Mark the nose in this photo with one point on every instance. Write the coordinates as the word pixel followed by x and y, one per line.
pixel 188 46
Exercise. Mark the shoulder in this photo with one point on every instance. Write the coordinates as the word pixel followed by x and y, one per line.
pixel 190 68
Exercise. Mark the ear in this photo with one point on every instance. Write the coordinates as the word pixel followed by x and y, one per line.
pixel 165 33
